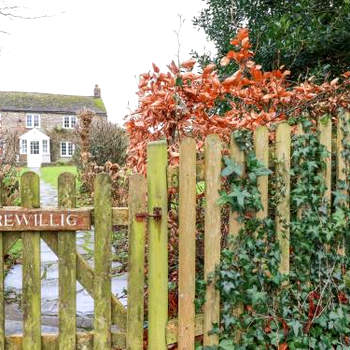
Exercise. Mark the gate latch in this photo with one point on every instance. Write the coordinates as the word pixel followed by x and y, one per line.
pixel 157 215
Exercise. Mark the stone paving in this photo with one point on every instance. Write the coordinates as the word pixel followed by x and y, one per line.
pixel 49 282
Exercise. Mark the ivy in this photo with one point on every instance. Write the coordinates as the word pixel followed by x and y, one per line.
pixel 260 307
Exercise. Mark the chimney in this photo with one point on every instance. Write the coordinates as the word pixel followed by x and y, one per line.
pixel 97 92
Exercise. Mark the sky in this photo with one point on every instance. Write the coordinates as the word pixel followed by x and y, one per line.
pixel 78 43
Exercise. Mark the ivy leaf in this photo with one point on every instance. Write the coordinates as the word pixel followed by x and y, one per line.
pixel 296 326
pixel 240 196
pixel 232 167
pixel 227 344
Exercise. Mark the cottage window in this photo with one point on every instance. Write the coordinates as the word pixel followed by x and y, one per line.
pixel 67 149
pixel 73 121
pixel 33 120
pixel 45 148
pixel 69 121
pixel 23 147
pixel 34 147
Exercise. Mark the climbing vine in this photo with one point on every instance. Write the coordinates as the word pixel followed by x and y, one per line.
pixel 262 308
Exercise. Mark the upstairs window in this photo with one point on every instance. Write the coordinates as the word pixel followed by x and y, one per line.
pixel 23 147
pixel 33 121
pixel 69 121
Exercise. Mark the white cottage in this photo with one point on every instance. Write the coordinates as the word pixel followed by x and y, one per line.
pixel 42 124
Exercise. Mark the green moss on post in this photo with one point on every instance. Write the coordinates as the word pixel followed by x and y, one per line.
pixel 67 268
pixel 158 245
pixel 31 292
pixel 102 280
pixel 2 276
pixel 136 278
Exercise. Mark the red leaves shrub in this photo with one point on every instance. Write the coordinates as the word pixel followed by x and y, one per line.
pixel 182 102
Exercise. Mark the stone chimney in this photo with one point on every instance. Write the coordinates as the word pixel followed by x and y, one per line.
pixel 97 92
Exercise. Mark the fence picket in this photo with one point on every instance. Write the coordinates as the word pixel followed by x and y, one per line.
pixel 238 156
pixel 342 130
pixel 31 288
pixel 103 250
pixel 136 278
pixel 212 235
pixel 67 268
pixel 2 276
pixel 325 128
pixel 283 207
pixel 187 244
pixel 234 224
pixel 261 145
pixel 300 132
pixel 158 245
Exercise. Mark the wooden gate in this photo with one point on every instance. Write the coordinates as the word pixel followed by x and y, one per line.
pixel 57 226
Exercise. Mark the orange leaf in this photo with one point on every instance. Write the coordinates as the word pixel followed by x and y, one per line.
pixel 334 81
pixel 188 64
pixel 224 61
pixel 155 68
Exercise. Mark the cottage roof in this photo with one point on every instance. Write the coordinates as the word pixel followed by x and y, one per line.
pixel 14 101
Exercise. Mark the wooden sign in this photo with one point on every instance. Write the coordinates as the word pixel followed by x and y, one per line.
pixel 44 219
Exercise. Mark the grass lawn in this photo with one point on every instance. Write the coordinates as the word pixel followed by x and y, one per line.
pixel 50 174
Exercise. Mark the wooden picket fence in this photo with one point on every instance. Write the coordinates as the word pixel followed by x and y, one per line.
pixel 147 218
pixel 188 325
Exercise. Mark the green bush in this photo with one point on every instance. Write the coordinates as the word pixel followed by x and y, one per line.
pixel 107 143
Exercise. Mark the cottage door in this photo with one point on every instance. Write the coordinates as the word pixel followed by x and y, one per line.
pixel 34 157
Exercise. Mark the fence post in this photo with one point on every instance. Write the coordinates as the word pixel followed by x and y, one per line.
pixel 158 245
pixel 342 134
pixel 238 155
pixel 212 235
pixel 136 265
pixel 343 131
pixel 67 268
pixel 31 286
pixel 261 144
pixel 103 249
pixel 187 244
pixel 2 276
pixel 283 207
pixel 325 128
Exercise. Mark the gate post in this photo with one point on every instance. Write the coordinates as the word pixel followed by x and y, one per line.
pixel 67 268
pixel 136 264
pixel 31 285
pixel 158 245
pixel 103 248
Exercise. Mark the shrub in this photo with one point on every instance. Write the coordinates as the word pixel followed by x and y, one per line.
pixel 10 185
pixel 182 102
pixel 107 143
pixel 89 167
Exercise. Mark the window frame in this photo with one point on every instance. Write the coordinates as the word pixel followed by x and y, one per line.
pixel 46 147
pixel 67 146
pixel 32 120
pixel 34 148
pixel 70 121
pixel 23 149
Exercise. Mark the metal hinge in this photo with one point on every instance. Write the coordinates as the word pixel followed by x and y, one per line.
pixel 157 215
